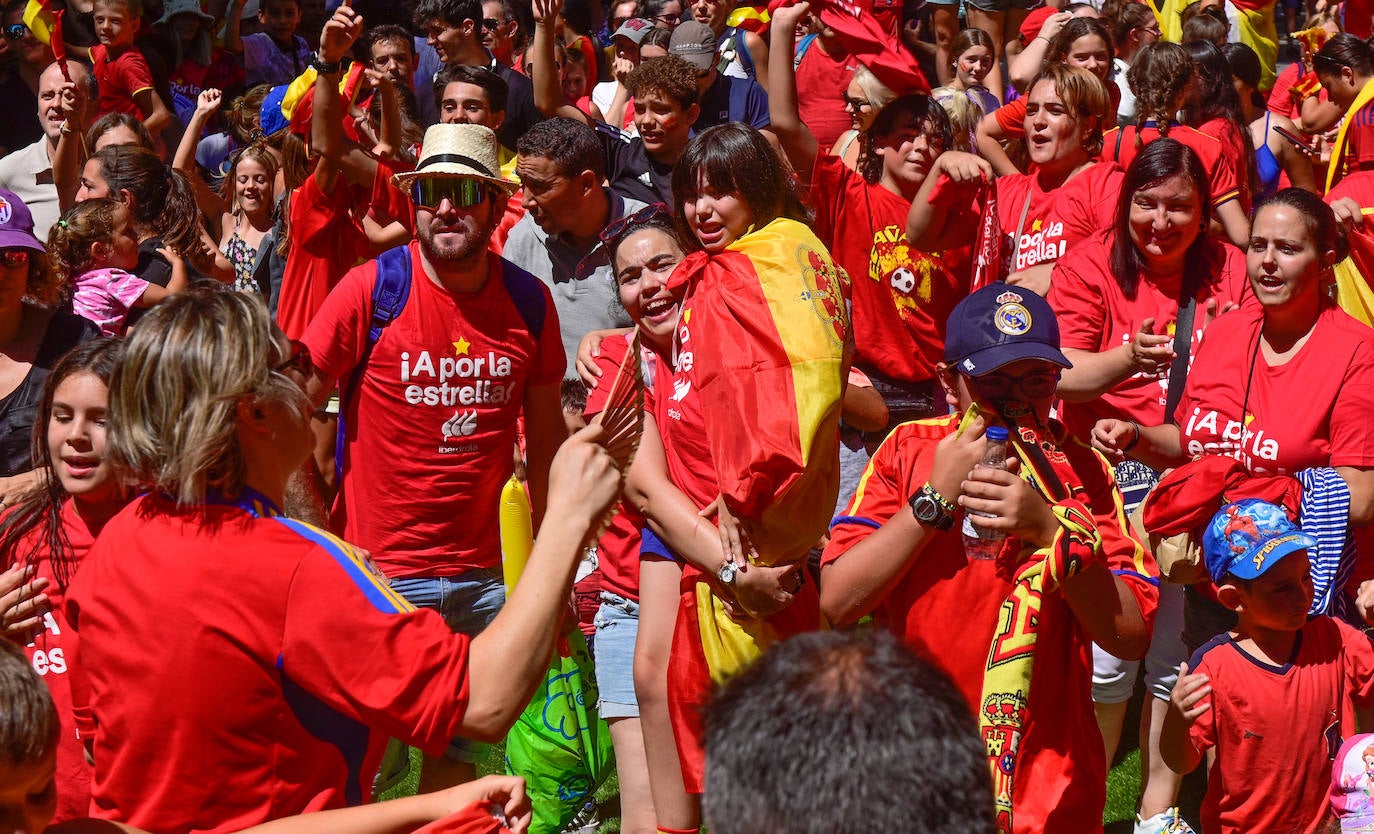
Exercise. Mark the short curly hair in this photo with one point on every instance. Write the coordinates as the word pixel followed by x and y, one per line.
pixel 669 76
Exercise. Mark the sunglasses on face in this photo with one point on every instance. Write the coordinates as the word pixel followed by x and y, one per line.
pixel 15 257
pixel 490 23
pixel 644 215
pixel 298 362
pixel 16 31
pixel 460 192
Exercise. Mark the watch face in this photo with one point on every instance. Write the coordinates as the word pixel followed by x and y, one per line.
pixel 926 509
pixel 727 572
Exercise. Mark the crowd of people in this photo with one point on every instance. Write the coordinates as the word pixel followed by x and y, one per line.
pixel 898 390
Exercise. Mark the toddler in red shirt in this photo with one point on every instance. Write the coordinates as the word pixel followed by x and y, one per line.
pixel 1275 696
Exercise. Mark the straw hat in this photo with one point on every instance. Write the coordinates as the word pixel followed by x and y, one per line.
pixel 457 151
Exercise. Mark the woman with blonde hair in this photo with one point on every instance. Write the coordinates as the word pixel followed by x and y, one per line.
pixel 276 654
pixel 864 98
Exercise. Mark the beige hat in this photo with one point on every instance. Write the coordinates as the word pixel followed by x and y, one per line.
pixel 457 151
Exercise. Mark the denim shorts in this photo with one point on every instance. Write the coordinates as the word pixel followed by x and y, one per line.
pixel 617 627
pixel 468 602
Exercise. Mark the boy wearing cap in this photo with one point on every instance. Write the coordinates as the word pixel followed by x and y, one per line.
pixel 1012 631
pixel 1273 696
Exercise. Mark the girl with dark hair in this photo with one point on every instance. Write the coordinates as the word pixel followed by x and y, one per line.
pixel 901 296
pixel 1133 27
pixel 1161 77
pixel 1213 107
pixel 1067 198
pixel 1275 157
pixel 1119 299
pixel 44 538
pixel 160 202
pixel 1083 42
pixel 1345 66
pixel 766 337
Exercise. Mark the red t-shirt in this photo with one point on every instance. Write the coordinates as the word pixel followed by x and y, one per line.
pixel 326 241
pixel 1359 142
pixel 1058 219
pixel 946 608
pixel 1232 147
pixel 431 424
pixel 681 424
pixel 902 297
pixel 1011 117
pixel 49 655
pixel 1222 172
pixel 236 666
pixel 1095 314
pixel 1312 410
pixel 1276 729
pixel 119 78
pixel 617 550
pixel 822 80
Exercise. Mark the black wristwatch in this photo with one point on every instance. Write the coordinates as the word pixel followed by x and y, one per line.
pixel 324 67
pixel 931 508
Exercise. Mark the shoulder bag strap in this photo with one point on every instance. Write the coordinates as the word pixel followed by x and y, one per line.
pixel 1183 346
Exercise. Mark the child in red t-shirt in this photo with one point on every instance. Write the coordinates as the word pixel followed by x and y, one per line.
pixel 121 71
pixel 1274 696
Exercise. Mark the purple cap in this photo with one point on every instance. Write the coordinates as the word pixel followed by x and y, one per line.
pixel 16 224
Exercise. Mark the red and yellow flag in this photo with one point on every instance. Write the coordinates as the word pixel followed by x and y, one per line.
pixel 770 326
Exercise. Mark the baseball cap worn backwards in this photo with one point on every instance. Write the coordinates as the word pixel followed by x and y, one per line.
pixel 1247 538
pixel 998 325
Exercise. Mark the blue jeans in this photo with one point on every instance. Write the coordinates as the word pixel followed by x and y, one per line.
pixel 617 628
pixel 468 602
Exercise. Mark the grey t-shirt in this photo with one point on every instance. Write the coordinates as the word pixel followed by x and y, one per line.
pixel 586 299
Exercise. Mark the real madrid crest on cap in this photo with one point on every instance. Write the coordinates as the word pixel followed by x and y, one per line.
pixel 6 210
pixel 1012 317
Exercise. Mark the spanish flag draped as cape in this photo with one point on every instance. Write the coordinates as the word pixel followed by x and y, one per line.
pixel 769 326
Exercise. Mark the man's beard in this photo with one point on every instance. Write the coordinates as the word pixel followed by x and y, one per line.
pixel 456 254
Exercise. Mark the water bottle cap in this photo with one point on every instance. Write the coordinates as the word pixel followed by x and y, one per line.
pixel 998 434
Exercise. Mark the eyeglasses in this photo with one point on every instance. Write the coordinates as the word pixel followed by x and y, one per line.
pixel 652 211
pixel 16 31
pixel 298 362
pixel 855 103
pixel 491 24
pixel 15 257
pixel 461 192
pixel 1034 386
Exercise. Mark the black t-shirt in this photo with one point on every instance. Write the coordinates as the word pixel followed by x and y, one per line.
pixel 521 114
pixel 631 172
pixel 20 127
pixel 19 409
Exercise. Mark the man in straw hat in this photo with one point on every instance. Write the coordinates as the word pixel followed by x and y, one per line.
pixel 438 346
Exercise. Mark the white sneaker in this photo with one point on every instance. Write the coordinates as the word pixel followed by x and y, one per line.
pixel 1169 822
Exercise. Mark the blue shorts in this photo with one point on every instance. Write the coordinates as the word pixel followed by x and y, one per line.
pixel 652 547
pixel 468 602
pixel 617 628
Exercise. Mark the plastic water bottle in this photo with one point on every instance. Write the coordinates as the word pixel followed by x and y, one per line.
pixel 979 542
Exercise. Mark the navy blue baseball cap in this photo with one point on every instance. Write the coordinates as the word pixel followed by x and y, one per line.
pixel 1001 324
pixel 1249 537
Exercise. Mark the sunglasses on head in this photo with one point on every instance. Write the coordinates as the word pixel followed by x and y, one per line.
pixel 16 31
pixel 15 257
pixel 461 192
pixel 644 215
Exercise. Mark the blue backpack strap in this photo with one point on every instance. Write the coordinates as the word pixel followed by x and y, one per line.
pixel 742 52
pixel 527 292
pixel 390 291
pixel 803 45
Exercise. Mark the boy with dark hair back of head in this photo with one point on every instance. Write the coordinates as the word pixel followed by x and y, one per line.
pixel 276 55
pixel 1275 695
pixel 878 740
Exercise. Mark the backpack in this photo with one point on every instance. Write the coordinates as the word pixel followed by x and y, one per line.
pixel 390 292
pixel 737 50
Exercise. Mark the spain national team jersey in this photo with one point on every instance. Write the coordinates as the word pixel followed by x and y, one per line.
pixel 235 666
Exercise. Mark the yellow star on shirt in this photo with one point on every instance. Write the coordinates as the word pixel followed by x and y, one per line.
pixel 460 347
pixel 1035 227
